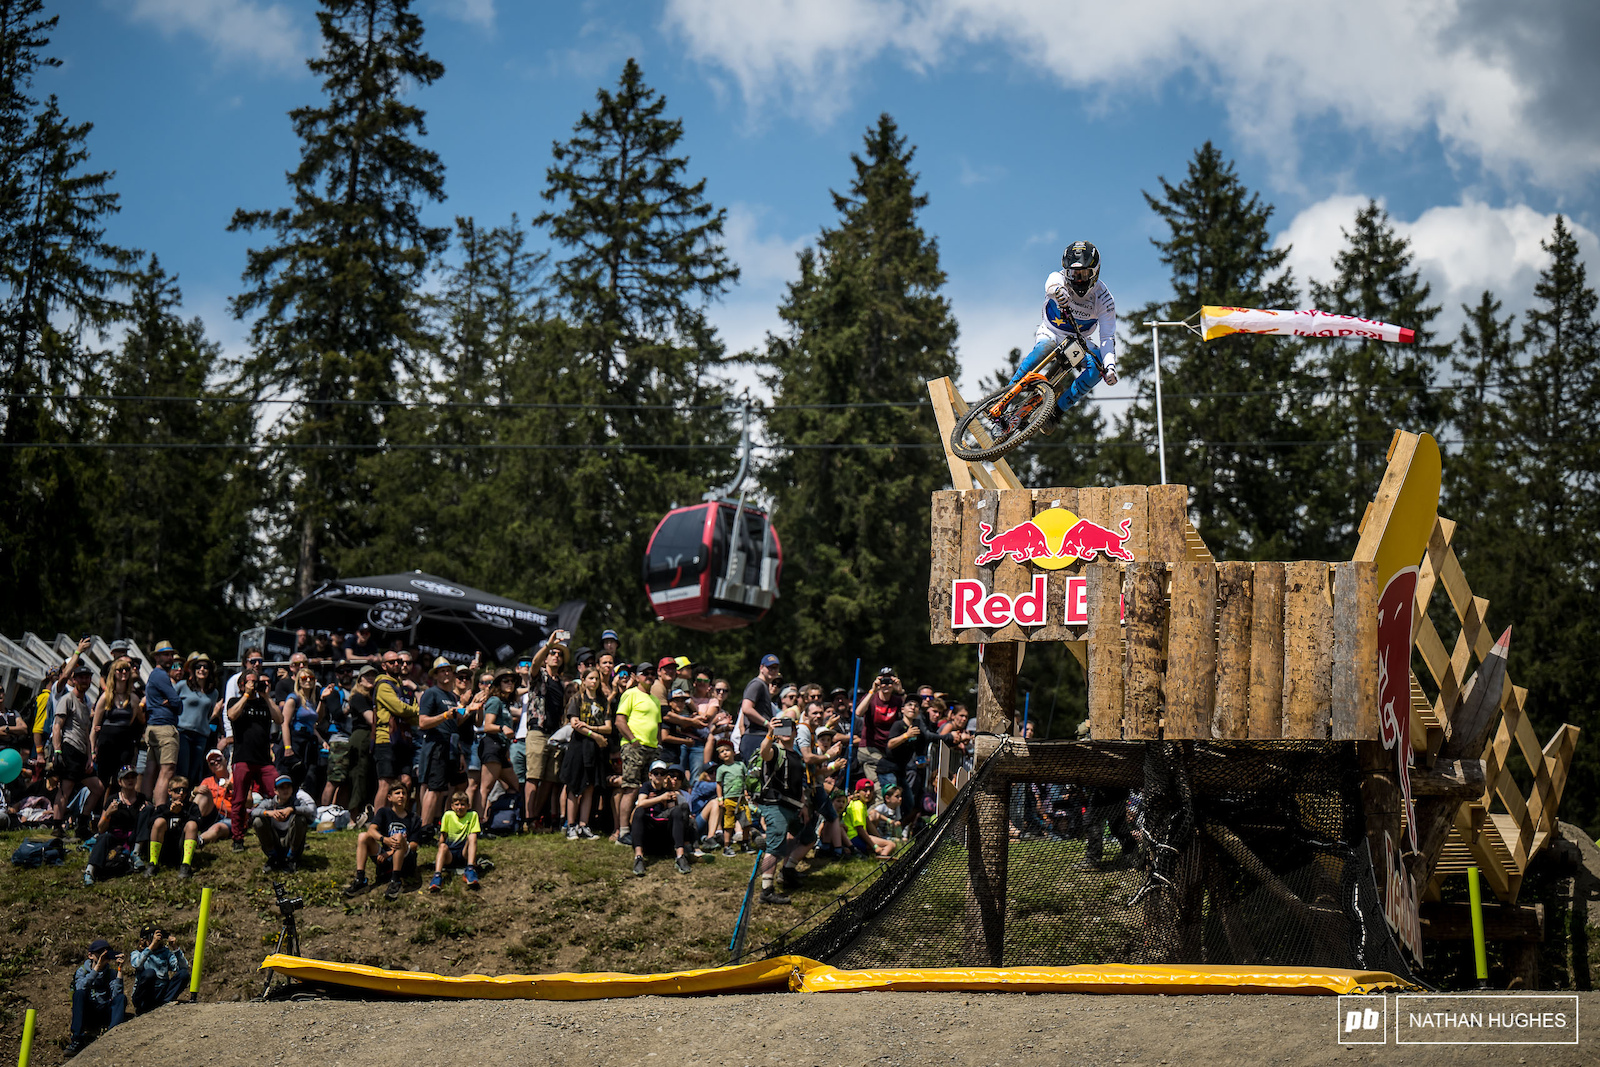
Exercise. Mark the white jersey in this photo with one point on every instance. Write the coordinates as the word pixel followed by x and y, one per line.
pixel 1095 314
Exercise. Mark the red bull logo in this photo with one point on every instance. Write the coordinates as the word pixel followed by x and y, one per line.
pixel 1053 539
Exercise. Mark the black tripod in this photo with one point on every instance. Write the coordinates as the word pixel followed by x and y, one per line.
pixel 288 937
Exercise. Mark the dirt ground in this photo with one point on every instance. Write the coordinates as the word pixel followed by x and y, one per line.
pixel 795 1030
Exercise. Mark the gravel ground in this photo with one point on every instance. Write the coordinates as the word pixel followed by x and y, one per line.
pixel 959 1030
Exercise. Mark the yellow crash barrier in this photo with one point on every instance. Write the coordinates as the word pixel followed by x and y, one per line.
pixel 801 975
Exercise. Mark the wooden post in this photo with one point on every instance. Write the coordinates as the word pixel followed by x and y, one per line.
pixel 1355 651
pixel 997 688
pixel 1144 591
pixel 1266 653
pixel 1307 650
pixel 988 841
pixel 1191 674
pixel 945 563
pixel 1105 650
pixel 1235 615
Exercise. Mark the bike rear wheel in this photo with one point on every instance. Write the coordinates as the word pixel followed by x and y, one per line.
pixel 1033 403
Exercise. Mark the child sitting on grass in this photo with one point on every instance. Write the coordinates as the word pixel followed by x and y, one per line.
pixel 390 839
pixel 458 838
pixel 855 818
pixel 885 816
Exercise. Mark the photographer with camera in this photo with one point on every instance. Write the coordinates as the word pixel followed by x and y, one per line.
pixel 97 1000
pixel 252 715
pixel 790 833
pixel 160 970
pixel 875 718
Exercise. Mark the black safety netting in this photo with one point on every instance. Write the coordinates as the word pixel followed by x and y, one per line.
pixel 1082 852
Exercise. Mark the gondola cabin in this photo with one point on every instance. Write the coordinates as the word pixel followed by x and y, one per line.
pixel 713 566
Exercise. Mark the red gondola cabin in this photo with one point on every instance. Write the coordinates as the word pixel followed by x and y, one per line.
pixel 713 566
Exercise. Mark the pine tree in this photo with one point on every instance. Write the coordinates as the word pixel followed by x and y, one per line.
pixel 1484 356
pixel 632 355
pixel 337 291
pixel 180 558
pixel 59 278
pixel 866 325
pixel 1233 407
pixel 1368 388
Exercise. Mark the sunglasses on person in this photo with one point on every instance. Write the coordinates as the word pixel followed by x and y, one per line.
pixel 721 689
pixel 254 661
pixel 213 759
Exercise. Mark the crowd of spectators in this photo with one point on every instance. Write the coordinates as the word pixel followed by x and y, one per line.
pixel 662 756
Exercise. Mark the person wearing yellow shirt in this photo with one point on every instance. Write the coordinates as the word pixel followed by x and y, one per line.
pixel 638 721
pixel 854 818
pixel 389 706
pixel 458 843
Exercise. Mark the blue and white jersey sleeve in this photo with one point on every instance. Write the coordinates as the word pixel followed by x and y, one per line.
pixel 1095 314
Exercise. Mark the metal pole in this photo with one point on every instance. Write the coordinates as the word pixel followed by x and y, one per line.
pixel 1027 701
pixel 850 745
pixel 1161 432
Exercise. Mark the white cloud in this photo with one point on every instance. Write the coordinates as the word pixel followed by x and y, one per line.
pixel 1392 68
pixel 268 33
pixel 1460 249
pixel 478 13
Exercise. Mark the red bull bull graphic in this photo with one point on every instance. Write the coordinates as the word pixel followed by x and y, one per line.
pixel 1053 539
pixel 1395 607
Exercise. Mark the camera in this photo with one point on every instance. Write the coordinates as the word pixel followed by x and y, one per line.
pixel 287 905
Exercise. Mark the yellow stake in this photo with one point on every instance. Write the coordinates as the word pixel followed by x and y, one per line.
pixel 1480 955
pixel 200 943
pixel 27 1038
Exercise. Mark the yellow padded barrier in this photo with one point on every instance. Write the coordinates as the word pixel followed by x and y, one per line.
pixel 801 975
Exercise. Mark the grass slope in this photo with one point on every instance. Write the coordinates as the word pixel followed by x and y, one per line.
pixel 549 905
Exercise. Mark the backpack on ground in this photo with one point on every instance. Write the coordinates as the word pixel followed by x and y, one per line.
pixel 504 813
pixel 38 851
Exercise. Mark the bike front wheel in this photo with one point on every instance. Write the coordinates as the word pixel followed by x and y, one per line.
pixel 980 435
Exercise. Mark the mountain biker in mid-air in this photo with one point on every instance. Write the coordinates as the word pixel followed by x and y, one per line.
pixel 1076 290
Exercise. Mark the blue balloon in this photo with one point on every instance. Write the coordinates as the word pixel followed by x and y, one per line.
pixel 10 766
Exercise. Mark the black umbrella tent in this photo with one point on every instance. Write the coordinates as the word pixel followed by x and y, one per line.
pixel 440 617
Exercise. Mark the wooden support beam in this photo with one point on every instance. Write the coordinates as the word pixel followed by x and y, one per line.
pixel 1501 922
pixel 1458 779
pixel 997 688
pixel 945 564
pixel 1355 651
pixel 988 845
pixel 1307 650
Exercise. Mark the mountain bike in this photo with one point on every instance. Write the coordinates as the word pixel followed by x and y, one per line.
pixel 1003 420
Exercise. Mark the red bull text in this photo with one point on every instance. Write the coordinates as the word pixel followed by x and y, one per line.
pixel 973 605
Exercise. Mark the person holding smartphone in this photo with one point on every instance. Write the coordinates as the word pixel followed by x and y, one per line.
pixel 782 806
pixel 97 1000
pixel 253 715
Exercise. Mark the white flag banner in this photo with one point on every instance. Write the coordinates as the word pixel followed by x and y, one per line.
pixel 1309 322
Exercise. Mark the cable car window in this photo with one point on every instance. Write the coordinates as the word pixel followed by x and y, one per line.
pixel 677 554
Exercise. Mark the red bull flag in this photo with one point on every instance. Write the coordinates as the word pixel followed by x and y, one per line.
pixel 1218 322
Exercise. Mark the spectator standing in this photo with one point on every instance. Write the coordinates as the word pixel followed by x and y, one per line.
pixel 781 803
pixel 252 716
pixel 609 645
pixel 547 705
pixel 365 646
pixel 729 775
pixel 391 712
pixel 302 743
pixel 360 708
pixel 160 970
pixel 666 674
pixel 437 711
pixel 162 707
pixel 500 722
pixel 905 750
pixel 755 708
pixel 44 713
pixel 70 738
pixel 875 715
pixel 280 822
pixel 198 695
pixel 230 694
pixel 118 722
pixel 638 723
pixel 333 715
pixel 584 766
pixel 98 1003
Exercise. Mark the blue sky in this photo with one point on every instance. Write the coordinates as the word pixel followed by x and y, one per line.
pixel 1037 122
